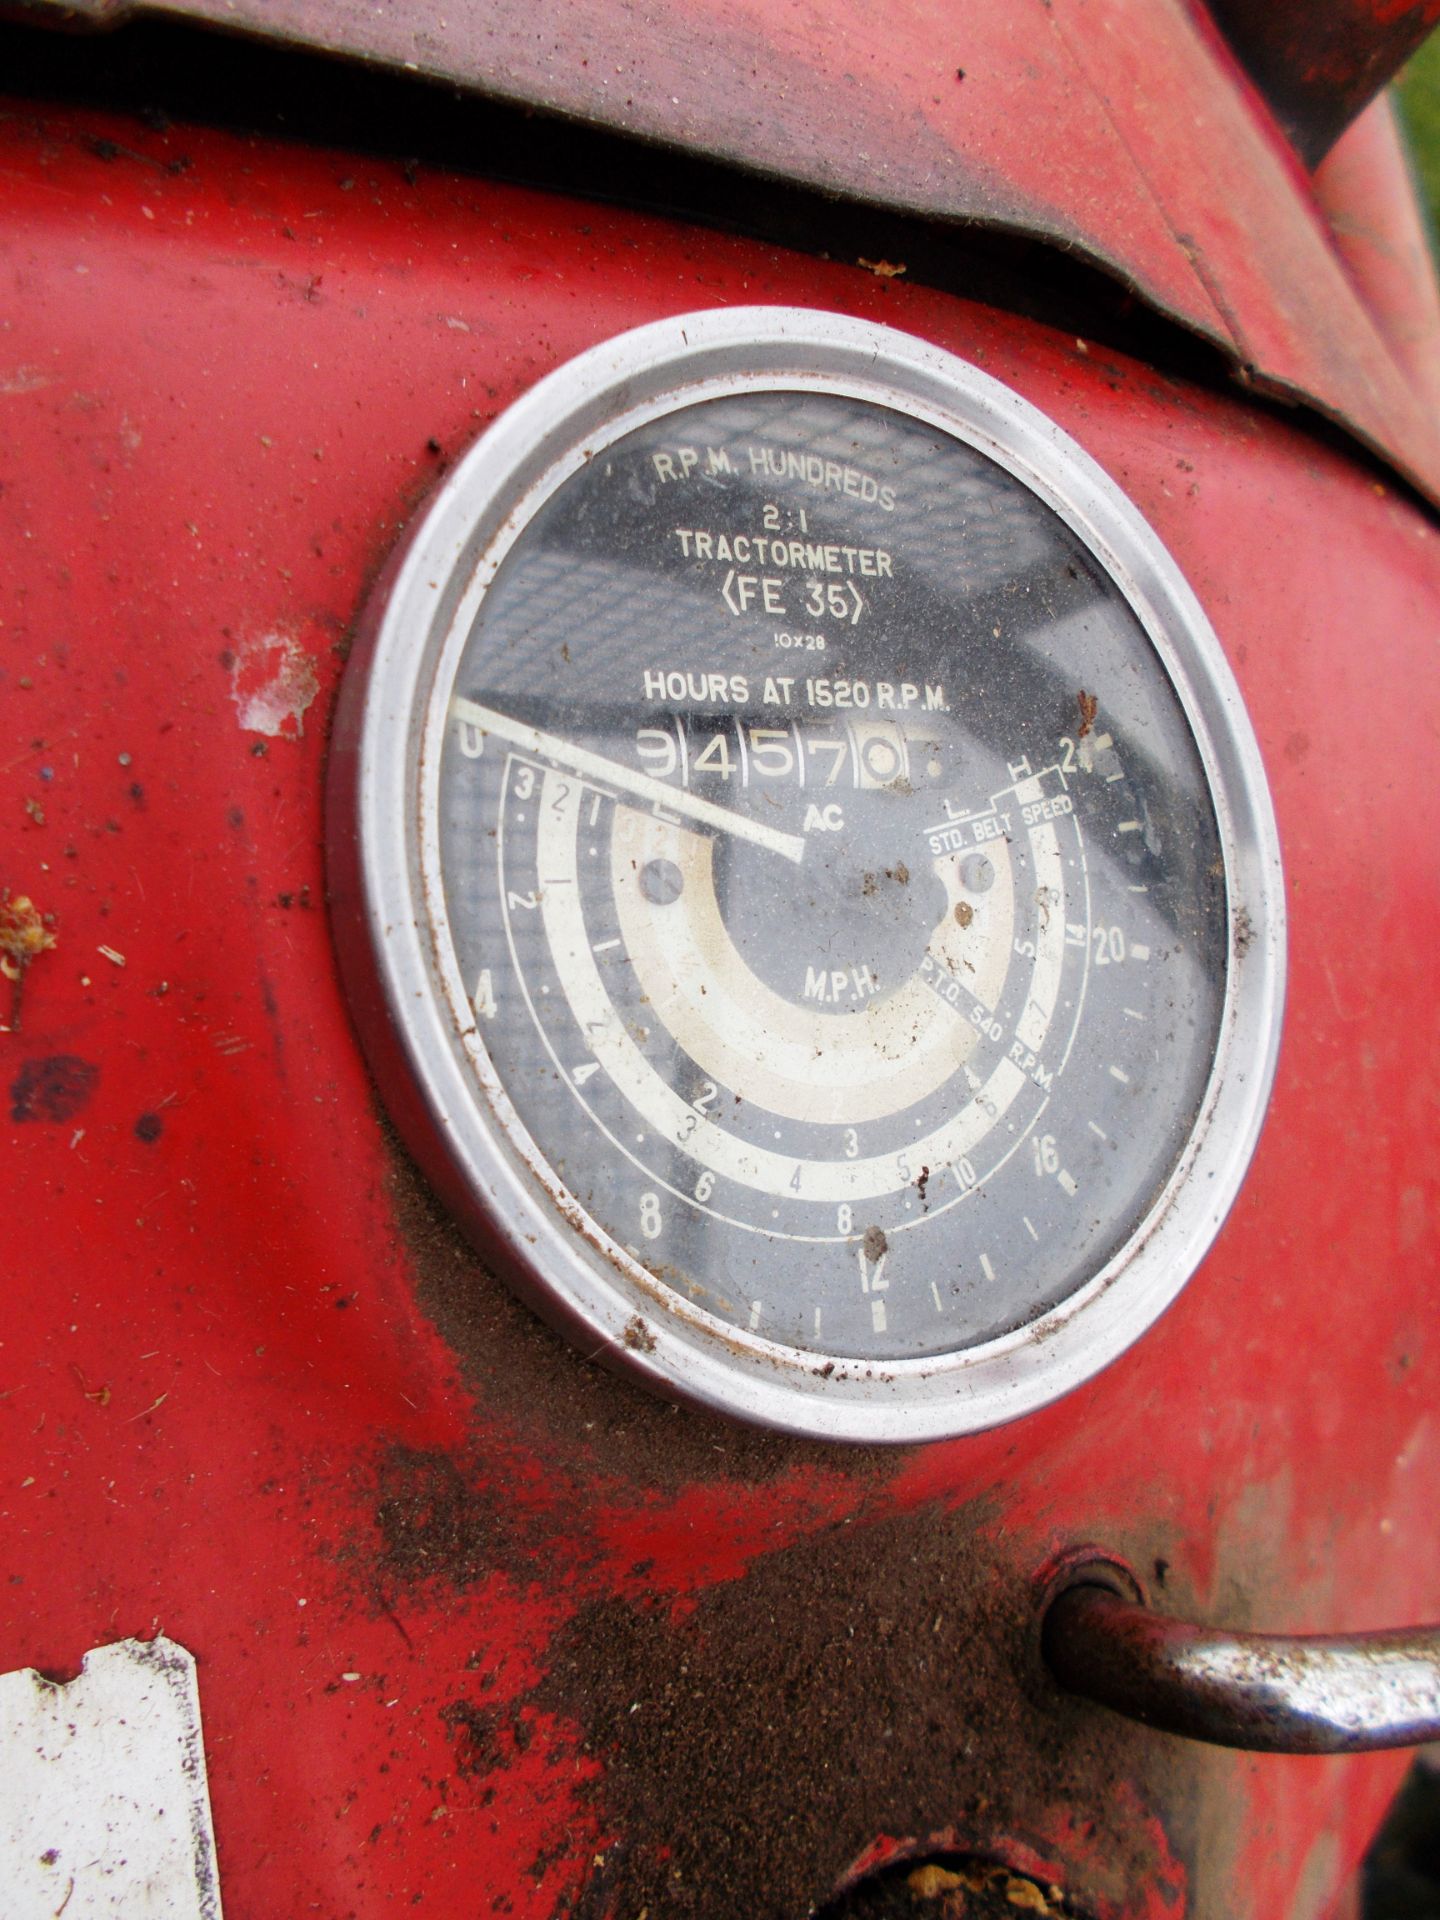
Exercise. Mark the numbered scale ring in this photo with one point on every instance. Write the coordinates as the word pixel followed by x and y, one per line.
pixel 806 879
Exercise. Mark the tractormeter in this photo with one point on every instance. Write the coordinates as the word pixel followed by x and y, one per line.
pixel 807 879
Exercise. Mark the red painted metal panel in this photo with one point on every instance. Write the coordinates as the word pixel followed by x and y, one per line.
pixel 1120 130
pixel 478 1626
pixel 1367 192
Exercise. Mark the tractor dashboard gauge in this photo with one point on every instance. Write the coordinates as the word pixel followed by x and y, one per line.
pixel 806 878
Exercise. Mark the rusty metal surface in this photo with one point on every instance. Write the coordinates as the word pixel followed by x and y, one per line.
pixel 1320 63
pixel 1118 130
pixel 1265 1692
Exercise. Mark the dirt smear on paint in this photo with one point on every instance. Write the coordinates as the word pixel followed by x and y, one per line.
pixel 878 1679
pixel 557 1400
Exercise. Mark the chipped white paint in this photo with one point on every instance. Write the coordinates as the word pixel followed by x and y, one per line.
pixel 273 681
pixel 104 1809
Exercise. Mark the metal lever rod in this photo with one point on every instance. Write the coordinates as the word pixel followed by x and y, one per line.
pixel 1271 1693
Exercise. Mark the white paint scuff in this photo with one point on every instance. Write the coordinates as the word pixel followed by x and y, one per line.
pixel 104 1806
pixel 273 680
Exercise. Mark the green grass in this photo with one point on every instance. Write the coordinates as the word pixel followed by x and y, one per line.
pixel 1420 109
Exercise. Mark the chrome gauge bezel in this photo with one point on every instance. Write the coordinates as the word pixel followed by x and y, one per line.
pixel 413 1010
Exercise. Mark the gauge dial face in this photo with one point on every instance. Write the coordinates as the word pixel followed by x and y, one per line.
pixel 828 883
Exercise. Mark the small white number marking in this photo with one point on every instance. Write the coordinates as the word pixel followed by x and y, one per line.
pixel 650 1221
pixel 872 1280
pixel 485 996
pixel 716 757
pixel 657 750
pixel 1109 946
pixel 705 1185
pixel 770 752
pixel 1044 1153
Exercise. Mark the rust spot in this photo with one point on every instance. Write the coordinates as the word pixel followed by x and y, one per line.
pixel 964 912
pixel 1244 937
pixel 1089 707
pixel 875 1243
pixel 638 1336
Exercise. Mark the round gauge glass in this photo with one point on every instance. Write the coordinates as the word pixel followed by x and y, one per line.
pixel 810 884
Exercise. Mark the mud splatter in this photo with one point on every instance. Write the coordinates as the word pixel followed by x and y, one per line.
pixel 877 1679
pixel 431 1523
pixel 546 1392
pixel 53 1089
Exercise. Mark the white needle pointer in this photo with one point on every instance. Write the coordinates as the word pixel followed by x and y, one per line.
pixel 611 773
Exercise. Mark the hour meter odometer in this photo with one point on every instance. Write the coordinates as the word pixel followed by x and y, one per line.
pixel 807 880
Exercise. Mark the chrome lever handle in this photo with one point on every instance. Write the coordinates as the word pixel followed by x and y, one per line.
pixel 1270 1693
